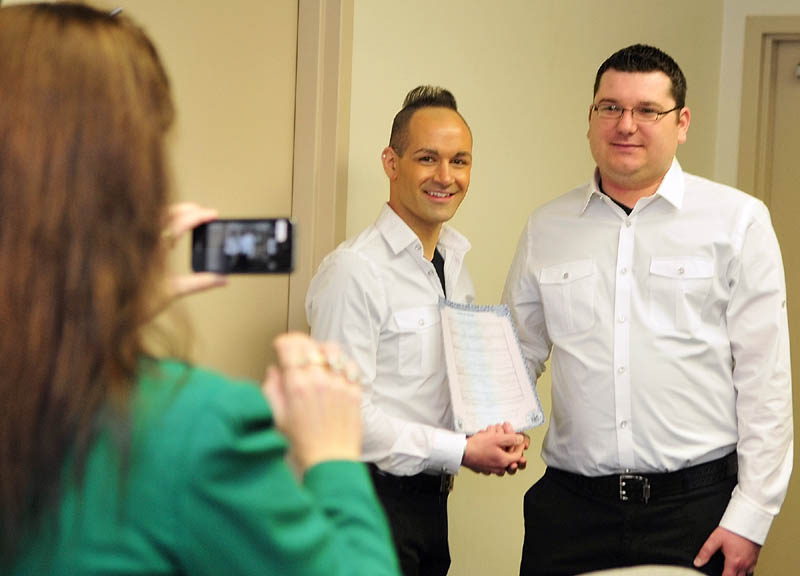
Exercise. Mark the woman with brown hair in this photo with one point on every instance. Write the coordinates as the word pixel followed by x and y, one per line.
pixel 113 461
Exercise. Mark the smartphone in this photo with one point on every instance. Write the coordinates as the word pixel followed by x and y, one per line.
pixel 244 246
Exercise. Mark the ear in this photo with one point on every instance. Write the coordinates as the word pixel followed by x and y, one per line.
pixel 683 124
pixel 389 158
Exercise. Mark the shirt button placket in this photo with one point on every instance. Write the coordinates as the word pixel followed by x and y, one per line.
pixel 622 338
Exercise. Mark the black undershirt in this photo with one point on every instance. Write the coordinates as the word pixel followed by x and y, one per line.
pixel 626 208
pixel 438 264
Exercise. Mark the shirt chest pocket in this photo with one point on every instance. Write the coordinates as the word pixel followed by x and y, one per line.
pixel 419 340
pixel 568 294
pixel 678 288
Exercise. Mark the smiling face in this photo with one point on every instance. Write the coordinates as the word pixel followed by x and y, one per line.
pixel 429 181
pixel 633 155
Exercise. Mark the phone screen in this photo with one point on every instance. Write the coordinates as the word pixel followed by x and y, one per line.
pixel 244 246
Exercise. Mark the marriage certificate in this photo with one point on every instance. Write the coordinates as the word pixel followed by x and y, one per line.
pixel 489 380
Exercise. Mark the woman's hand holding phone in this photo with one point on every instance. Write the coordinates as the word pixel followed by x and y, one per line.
pixel 181 218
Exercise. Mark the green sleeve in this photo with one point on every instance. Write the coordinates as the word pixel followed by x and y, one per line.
pixel 242 511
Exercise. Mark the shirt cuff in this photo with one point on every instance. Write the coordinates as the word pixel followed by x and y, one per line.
pixel 447 451
pixel 746 519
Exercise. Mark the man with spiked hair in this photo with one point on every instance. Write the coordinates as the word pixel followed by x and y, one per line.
pixel 377 295
pixel 661 296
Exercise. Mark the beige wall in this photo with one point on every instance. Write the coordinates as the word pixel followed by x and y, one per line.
pixel 232 68
pixel 522 72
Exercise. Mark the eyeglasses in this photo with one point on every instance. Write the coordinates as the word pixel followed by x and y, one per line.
pixel 639 114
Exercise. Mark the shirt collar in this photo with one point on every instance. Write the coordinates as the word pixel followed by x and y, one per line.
pixel 399 236
pixel 671 188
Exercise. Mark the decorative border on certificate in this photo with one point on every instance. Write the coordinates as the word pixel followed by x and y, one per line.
pixel 489 380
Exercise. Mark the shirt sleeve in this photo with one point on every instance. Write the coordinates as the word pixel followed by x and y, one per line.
pixel 346 303
pixel 759 335
pixel 242 511
pixel 521 294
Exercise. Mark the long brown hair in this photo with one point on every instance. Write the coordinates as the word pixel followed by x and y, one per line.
pixel 84 106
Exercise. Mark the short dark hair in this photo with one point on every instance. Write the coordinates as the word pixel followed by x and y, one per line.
pixel 419 97
pixel 644 58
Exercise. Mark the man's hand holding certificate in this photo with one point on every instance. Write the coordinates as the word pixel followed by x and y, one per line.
pixel 489 380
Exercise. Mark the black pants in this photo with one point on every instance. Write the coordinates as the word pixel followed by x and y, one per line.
pixel 418 520
pixel 571 531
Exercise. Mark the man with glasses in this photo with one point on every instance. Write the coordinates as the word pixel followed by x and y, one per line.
pixel 661 296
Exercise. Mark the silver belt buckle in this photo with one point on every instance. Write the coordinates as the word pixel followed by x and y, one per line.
pixel 628 481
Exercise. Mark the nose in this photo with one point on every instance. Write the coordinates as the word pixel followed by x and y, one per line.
pixel 626 124
pixel 444 174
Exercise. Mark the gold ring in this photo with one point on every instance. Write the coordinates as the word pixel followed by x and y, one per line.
pixel 353 374
pixel 310 358
pixel 336 362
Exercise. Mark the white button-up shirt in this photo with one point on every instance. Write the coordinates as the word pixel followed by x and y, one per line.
pixel 378 297
pixel 669 336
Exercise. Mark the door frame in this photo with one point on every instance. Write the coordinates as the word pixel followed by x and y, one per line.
pixel 321 141
pixel 762 37
pixel 762 34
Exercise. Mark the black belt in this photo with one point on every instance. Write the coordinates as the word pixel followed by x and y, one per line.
pixel 634 487
pixel 417 484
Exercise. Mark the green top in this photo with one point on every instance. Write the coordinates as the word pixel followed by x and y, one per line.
pixel 207 490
